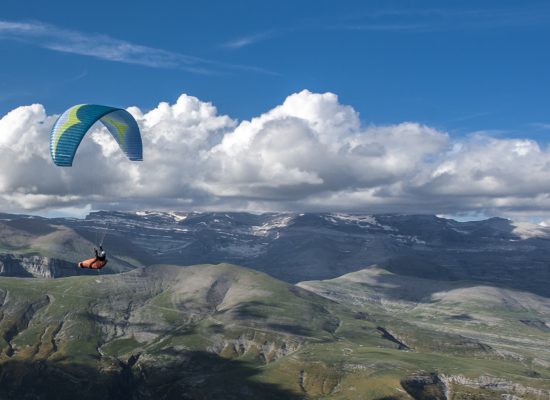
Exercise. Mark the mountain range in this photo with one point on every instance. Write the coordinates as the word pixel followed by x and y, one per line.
pixel 331 306
pixel 297 247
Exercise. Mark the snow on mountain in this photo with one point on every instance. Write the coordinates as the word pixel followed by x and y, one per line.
pixel 269 226
pixel 307 246
pixel 360 220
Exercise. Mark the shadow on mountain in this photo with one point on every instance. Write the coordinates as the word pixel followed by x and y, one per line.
pixel 291 329
pixel 34 226
pixel 195 375
pixel 523 268
pixel 177 332
pixel 255 310
pixel 421 283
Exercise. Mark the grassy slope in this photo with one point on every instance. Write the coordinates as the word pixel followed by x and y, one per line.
pixel 281 336
pixel 458 328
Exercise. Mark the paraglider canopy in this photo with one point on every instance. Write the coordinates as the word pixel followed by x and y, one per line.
pixel 73 124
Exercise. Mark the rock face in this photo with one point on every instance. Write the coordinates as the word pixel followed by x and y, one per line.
pixel 508 388
pixel 434 386
pixel 426 387
pixel 35 266
pixel 300 247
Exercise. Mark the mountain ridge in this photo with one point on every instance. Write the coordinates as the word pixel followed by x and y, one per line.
pixel 300 246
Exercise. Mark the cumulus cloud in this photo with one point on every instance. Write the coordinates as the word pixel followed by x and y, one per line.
pixel 310 153
pixel 312 144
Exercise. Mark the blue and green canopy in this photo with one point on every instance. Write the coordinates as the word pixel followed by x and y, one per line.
pixel 73 124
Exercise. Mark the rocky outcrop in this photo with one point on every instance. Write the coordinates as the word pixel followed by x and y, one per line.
pixel 498 384
pixel 22 323
pixel 426 387
pixel 11 266
pixel 267 350
pixel 392 338
pixel 434 386
pixel 35 266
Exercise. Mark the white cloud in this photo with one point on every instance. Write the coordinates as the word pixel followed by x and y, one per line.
pixel 312 144
pixel 108 48
pixel 245 41
pixel 309 153
pixel 436 20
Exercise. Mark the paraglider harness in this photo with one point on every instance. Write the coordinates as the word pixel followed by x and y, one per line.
pixel 101 256
pixel 100 259
pixel 98 262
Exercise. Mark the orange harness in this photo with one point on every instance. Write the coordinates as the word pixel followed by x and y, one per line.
pixel 92 263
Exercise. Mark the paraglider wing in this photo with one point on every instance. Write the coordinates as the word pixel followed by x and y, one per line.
pixel 73 124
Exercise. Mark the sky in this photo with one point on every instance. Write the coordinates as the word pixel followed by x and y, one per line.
pixel 379 106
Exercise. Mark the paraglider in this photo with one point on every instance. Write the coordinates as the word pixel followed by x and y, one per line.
pixel 98 262
pixel 69 130
pixel 73 124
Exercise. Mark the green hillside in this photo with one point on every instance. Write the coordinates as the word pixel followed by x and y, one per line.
pixel 223 332
pixel 489 336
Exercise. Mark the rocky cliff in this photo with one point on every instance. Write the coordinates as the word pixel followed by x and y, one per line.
pixel 35 266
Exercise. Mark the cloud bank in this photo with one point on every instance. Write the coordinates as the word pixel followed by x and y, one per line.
pixel 310 153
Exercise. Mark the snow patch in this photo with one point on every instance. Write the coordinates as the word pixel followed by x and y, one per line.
pixel 360 220
pixel 408 239
pixel 178 217
pixel 276 223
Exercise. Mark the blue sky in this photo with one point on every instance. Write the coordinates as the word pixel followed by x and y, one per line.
pixel 460 66
pixel 364 106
